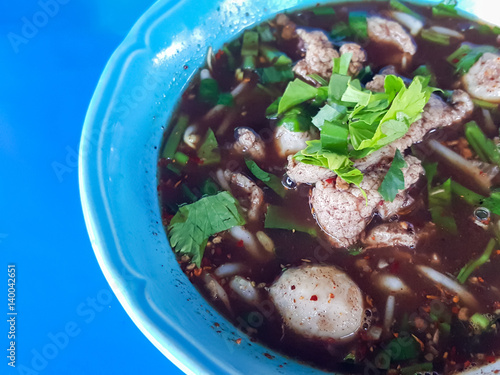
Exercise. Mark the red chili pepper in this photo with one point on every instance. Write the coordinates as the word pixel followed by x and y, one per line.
pixel 314 298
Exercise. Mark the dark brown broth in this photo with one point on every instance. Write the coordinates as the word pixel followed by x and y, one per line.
pixel 292 248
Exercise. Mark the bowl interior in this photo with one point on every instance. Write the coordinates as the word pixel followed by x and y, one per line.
pixel 134 100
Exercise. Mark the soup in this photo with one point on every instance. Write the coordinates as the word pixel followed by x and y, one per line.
pixel 329 182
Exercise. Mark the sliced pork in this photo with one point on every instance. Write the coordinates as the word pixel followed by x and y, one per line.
pixel 288 142
pixel 307 173
pixel 344 213
pixel 249 143
pixel 250 196
pixel 318 56
pixel 384 31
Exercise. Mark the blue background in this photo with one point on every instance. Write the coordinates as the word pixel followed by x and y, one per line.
pixel 68 322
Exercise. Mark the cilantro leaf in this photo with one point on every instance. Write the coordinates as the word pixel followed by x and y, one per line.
pixel 269 179
pixel 466 56
pixel 394 180
pixel 194 223
pixel 209 152
pixel 296 92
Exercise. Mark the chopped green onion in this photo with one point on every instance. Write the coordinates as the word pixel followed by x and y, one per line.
pixel 295 120
pixel 358 24
pixel 323 11
pixel 296 92
pixel 480 321
pixel 188 194
pixel 175 137
pixel 435 37
pixel 399 6
pixel 319 79
pixel 208 91
pixel 265 33
pixel 445 8
pixel 275 56
pixel 485 104
pixel 419 368
pixel 424 71
pixel 226 99
pixel 278 218
pixel 269 179
pixel 175 168
pixel 181 158
pixel 440 207
pixel 209 187
pixel 250 49
pixel 340 31
pixel 484 147
pixel 273 74
pixel 470 267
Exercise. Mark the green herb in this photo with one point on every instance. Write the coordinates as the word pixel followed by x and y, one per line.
pixel 209 152
pixel 278 218
pixel 250 49
pixel 355 251
pixel 358 25
pixel 340 64
pixel 470 267
pixel 273 74
pixel 445 8
pixel 319 79
pixel 175 137
pixel 323 11
pixel 209 187
pixel 208 91
pixel 194 223
pixel 466 56
pixel 274 56
pixel 269 179
pixel 403 347
pixel 337 86
pixel 187 194
pixel 419 368
pixel 226 99
pixel 181 158
pixel 296 92
pixel 265 33
pixel 492 202
pixel 435 37
pixel 440 207
pixel 394 180
pixel 340 31
pixel 399 6
pixel 272 110
pixel 430 173
pixel 295 120
pixel 480 321
pixel 484 104
pixel 484 147
pixel 329 112
pixel 425 71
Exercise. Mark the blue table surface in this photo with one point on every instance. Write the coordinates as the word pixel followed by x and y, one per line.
pixel 52 53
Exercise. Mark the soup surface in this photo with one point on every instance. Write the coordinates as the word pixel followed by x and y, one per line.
pixel 329 180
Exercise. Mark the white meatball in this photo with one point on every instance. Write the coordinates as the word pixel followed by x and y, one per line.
pixel 289 143
pixel 319 302
pixel 483 78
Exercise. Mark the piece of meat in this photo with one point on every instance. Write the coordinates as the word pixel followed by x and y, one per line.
pixel 319 54
pixel 250 196
pixel 377 82
pixel 288 142
pixel 307 173
pixel 250 143
pixel 319 302
pixel 382 30
pixel 344 213
pixel 436 114
pixel 482 80
pixel 391 234
pixel 358 57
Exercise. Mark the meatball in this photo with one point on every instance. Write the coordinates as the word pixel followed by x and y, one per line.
pixel 483 79
pixel 320 302
pixel 381 30
pixel 357 59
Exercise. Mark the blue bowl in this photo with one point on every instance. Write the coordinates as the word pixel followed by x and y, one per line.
pixel 135 97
